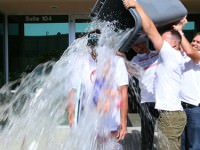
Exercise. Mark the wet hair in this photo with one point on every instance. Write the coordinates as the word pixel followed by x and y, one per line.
pixel 93 37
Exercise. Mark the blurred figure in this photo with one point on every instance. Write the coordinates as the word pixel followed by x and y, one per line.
pixel 103 88
pixel 147 60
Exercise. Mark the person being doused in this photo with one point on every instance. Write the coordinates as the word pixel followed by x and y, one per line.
pixel 103 85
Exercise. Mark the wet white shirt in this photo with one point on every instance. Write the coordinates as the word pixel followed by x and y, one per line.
pixel 84 79
pixel 148 62
pixel 119 78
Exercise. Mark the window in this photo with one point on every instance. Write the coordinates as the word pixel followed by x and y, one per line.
pixel 189 30
pixel 45 29
pixel 2 81
pixel 34 40
pixel 81 27
pixel 189 26
pixel 193 26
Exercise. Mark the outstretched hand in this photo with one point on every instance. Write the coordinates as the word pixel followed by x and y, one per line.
pixel 179 27
pixel 129 3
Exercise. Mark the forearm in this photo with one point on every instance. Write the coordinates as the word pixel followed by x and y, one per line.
pixel 186 46
pixel 150 29
pixel 147 24
pixel 189 50
pixel 71 106
pixel 124 106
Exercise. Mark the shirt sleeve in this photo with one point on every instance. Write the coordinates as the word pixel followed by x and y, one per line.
pixel 121 73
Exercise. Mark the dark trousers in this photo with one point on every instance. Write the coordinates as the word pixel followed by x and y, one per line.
pixel 191 134
pixel 148 116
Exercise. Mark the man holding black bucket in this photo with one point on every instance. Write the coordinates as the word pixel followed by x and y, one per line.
pixel 172 118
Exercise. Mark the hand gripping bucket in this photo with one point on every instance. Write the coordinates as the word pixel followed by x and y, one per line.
pixel 162 12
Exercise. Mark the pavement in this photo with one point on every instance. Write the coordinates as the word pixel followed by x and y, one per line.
pixel 132 140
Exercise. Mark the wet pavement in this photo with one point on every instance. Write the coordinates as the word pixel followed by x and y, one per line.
pixel 132 141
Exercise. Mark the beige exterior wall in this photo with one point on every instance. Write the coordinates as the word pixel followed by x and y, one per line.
pixel 24 7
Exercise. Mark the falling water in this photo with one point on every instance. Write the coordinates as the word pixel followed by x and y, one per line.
pixel 32 114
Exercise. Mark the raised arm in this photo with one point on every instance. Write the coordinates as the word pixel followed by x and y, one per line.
pixel 189 50
pixel 186 46
pixel 147 24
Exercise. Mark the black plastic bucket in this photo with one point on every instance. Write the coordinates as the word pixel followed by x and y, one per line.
pixel 162 12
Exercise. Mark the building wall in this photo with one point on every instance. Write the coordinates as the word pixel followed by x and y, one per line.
pixel 35 39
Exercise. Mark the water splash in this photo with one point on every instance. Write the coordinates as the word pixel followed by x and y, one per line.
pixel 32 113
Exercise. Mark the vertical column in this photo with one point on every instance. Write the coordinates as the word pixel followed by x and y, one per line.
pixel 6 52
pixel 71 29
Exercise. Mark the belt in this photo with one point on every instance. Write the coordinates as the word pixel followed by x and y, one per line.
pixel 169 111
pixel 187 105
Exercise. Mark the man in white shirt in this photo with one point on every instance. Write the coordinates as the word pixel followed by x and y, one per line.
pixel 190 88
pixel 147 60
pixel 172 118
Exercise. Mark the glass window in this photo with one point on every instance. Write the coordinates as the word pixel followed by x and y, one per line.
pixel 45 29
pixel 81 27
pixel 2 81
pixel 189 26
pixel 189 30
pixel 34 40
pixel 192 27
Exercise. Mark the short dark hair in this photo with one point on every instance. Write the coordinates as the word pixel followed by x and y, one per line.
pixel 93 37
pixel 176 34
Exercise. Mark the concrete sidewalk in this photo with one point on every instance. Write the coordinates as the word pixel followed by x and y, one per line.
pixel 132 140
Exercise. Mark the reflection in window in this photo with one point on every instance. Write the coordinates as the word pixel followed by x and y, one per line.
pixel 45 29
pixel 33 43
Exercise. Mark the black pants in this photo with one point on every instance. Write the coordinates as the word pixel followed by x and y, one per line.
pixel 148 116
